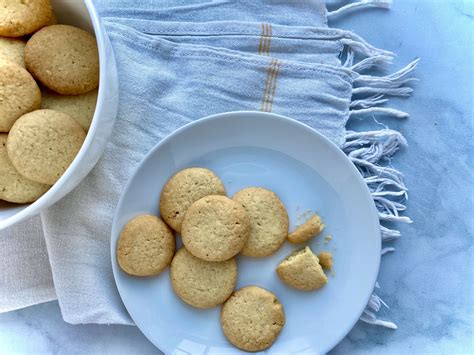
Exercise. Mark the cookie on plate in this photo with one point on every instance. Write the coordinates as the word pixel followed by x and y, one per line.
pixel 13 50
pixel 268 221
pixel 185 188
pixel 79 107
pixel 252 318
pixel 215 228
pixel 19 94
pixel 307 230
pixel 146 246
pixel 64 59
pixel 200 283
pixel 43 143
pixel 19 18
pixel 14 187
pixel 301 270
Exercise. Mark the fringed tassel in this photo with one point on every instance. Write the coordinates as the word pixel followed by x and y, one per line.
pixel 375 61
pixel 349 58
pixel 375 303
pixel 387 250
pixel 374 56
pixel 389 234
pixel 384 4
pixel 379 110
pixel 369 151
pixel 368 102
pixel 386 85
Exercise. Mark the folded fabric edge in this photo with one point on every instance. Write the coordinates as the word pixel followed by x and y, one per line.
pixel 48 295
pixel 371 152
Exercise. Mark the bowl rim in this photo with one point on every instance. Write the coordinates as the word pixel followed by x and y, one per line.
pixel 45 200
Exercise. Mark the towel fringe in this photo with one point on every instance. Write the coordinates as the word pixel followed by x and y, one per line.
pixel 371 153
pixel 389 234
pixel 349 59
pixel 374 305
pixel 374 56
pixel 379 86
pixel 383 4
pixel 370 62
pixel 387 250
pixel 368 102
pixel 379 110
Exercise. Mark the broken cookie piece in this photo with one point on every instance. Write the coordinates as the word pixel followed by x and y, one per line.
pixel 301 270
pixel 325 260
pixel 306 231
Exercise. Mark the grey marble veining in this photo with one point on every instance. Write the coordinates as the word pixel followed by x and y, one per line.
pixel 428 280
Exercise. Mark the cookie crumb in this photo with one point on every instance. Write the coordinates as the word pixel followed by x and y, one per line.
pixel 327 239
pixel 325 260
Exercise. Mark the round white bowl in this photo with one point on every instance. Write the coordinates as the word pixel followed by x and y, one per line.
pixel 81 14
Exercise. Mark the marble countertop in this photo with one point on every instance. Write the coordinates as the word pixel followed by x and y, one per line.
pixel 428 281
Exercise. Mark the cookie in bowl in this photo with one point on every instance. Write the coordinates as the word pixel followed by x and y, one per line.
pixel 13 186
pixel 42 144
pixel 64 58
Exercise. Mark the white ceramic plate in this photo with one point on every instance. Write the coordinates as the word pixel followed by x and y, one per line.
pixel 307 172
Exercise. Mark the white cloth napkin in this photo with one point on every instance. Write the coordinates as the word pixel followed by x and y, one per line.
pixel 24 267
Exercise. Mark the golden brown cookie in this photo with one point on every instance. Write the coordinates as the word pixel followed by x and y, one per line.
pixel 43 143
pixel 146 246
pixel 301 270
pixel 325 260
pixel 64 58
pixel 268 221
pixel 185 188
pixel 19 94
pixel 79 107
pixel 215 228
pixel 200 283
pixel 22 17
pixel 252 318
pixel 14 187
pixel 12 50
pixel 307 230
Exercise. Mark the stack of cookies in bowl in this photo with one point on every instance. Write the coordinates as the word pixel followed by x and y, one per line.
pixel 49 74
pixel 214 230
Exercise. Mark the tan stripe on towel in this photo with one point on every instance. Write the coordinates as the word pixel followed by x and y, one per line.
pixel 270 85
pixel 260 46
pixel 273 87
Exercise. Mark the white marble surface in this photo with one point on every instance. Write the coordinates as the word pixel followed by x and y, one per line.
pixel 428 280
